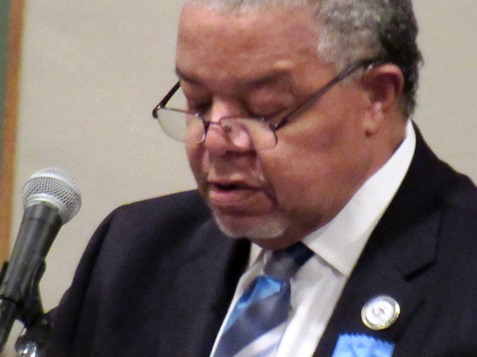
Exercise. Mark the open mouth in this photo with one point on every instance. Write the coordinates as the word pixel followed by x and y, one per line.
pixel 226 193
pixel 228 187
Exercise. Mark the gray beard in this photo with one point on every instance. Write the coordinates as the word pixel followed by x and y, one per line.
pixel 272 227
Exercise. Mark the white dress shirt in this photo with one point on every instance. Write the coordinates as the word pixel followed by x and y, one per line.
pixel 317 286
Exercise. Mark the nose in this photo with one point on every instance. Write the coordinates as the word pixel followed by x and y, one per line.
pixel 217 140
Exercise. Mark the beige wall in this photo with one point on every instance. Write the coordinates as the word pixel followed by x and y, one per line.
pixel 93 70
pixel 448 95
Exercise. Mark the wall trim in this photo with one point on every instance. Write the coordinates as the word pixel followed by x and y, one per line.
pixel 13 34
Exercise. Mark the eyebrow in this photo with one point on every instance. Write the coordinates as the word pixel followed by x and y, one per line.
pixel 266 79
pixel 185 77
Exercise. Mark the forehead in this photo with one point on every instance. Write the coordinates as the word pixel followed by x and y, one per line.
pixel 213 45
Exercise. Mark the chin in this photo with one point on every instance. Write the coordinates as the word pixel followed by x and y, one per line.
pixel 262 229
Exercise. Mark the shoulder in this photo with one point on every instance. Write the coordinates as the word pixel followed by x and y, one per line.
pixel 432 185
pixel 152 226
pixel 167 212
pixel 149 222
pixel 187 203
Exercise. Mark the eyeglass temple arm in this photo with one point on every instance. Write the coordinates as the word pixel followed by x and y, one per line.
pixel 166 99
pixel 346 72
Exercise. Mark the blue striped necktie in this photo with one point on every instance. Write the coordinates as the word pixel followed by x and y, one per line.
pixel 258 320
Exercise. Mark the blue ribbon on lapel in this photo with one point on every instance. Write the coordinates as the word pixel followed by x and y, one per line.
pixel 362 346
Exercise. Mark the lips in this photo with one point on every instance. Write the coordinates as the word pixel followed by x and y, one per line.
pixel 236 195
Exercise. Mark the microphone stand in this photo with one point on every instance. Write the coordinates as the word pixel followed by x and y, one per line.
pixel 33 339
pixel 30 312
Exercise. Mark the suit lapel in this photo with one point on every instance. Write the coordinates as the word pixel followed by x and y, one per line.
pixel 212 266
pixel 376 275
pixel 401 247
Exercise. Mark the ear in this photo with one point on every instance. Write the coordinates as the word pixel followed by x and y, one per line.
pixel 384 86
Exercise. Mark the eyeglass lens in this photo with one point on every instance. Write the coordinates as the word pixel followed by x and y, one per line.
pixel 245 133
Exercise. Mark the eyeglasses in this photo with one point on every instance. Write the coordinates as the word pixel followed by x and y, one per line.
pixel 258 133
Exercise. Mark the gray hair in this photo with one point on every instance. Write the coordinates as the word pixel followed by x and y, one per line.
pixel 352 30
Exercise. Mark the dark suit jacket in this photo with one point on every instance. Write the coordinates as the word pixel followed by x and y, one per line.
pixel 158 276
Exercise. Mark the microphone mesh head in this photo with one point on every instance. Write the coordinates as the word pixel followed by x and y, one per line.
pixel 55 187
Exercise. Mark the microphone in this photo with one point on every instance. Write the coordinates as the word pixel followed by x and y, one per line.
pixel 50 199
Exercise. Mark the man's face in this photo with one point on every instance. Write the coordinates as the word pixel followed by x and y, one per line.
pixel 264 64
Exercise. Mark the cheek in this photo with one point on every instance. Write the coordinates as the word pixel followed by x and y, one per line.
pixel 313 168
pixel 294 175
pixel 195 157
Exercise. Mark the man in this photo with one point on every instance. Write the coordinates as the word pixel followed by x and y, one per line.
pixel 297 128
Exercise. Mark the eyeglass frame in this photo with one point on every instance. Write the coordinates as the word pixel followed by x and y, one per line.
pixel 287 118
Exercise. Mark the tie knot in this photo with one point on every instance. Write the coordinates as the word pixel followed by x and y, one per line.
pixel 283 264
